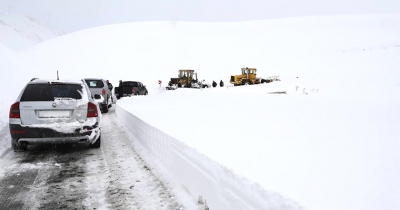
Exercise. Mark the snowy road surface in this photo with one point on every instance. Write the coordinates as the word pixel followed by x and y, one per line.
pixel 77 177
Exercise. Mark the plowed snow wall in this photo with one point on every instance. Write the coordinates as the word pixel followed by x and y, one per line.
pixel 196 172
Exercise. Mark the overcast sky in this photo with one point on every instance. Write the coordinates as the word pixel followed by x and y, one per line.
pixel 72 15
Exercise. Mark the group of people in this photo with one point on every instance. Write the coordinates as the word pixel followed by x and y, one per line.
pixel 120 88
pixel 221 83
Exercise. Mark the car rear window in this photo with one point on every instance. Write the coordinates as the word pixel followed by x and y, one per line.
pixel 48 92
pixel 131 84
pixel 95 83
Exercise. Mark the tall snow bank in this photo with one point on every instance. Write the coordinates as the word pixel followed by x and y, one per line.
pixel 197 174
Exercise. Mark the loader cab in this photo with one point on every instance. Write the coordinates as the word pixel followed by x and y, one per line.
pixel 184 73
pixel 247 71
pixel 186 77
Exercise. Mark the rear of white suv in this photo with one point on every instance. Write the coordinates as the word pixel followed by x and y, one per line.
pixel 57 111
pixel 99 86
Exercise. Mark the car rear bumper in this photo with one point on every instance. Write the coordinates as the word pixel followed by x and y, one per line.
pixel 35 135
pixel 52 140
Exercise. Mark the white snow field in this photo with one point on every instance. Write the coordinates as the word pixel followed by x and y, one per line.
pixel 330 143
pixel 19 31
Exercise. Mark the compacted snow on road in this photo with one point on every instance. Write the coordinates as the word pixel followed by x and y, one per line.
pixel 77 177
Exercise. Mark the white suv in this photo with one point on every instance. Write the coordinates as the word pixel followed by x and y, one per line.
pixel 100 86
pixel 55 111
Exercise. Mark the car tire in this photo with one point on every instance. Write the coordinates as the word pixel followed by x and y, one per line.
pixel 97 143
pixel 18 147
pixel 105 108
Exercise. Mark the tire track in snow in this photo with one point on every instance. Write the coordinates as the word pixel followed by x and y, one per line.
pixel 77 177
pixel 44 177
pixel 15 189
pixel 132 183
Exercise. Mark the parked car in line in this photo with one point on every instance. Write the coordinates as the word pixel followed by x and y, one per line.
pixel 131 88
pixel 99 86
pixel 55 111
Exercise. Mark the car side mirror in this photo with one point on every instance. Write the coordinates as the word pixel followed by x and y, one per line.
pixel 97 96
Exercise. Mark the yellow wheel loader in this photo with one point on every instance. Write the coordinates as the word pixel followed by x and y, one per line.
pixel 248 77
pixel 186 78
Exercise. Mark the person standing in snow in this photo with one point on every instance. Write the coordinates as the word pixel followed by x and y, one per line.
pixel 110 86
pixel 221 83
pixel 214 84
pixel 120 89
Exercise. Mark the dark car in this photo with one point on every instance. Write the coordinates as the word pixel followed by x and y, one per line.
pixel 132 88
pixel 53 112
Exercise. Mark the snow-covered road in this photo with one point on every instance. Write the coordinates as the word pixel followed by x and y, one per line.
pixel 77 177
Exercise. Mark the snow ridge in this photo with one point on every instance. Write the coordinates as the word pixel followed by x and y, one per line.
pixel 19 31
pixel 182 164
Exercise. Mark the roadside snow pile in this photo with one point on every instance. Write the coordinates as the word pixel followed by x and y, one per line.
pixel 202 177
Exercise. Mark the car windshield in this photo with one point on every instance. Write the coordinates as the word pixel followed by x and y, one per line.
pixel 95 83
pixel 49 92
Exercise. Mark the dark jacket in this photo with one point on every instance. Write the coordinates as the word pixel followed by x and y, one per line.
pixel 110 86
pixel 121 89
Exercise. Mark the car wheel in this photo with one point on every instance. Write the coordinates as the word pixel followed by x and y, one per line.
pixel 97 143
pixel 105 108
pixel 18 147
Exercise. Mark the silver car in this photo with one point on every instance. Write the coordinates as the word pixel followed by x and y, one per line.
pixel 100 86
pixel 48 111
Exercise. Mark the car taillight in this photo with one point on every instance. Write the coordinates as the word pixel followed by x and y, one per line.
pixel 92 110
pixel 133 90
pixel 20 132
pixel 103 92
pixel 14 111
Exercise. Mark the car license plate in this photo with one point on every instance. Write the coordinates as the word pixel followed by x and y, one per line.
pixel 54 114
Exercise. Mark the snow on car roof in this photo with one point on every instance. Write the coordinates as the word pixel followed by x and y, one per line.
pixel 36 80
pixel 93 79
